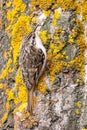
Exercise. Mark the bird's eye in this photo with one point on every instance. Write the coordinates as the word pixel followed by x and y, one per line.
pixel 33 37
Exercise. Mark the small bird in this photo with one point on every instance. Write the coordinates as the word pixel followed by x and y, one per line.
pixel 32 61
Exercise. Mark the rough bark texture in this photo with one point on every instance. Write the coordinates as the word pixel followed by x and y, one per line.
pixel 63 106
pixel 4 46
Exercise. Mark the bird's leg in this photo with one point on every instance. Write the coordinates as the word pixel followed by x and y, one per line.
pixel 30 100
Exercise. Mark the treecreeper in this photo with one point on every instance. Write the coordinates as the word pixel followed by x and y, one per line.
pixel 32 61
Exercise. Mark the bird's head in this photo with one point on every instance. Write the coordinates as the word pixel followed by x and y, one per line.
pixel 39 14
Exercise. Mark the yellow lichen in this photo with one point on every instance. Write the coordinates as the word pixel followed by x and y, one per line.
pixel 56 16
pixel 84 9
pixel 24 116
pixel 55 59
pixel 78 37
pixel 43 4
pixel 17 2
pixel 8 106
pixel 3 119
pixel 19 30
pixel 47 13
pixel 78 104
pixel 77 111
pixel 19 79
pixel 19 24
pixel 10 94
pixel 34 20
pixel 8 4
pixel 21 108
pixel 83 129
pixel 2 85
pixel 20 86
pixel 11 14
pixel 44 36
pixel 22 94
pixel 65 4
pixel 41 84
pixel 5 70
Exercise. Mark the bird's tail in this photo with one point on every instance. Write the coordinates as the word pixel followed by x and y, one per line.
pixel 30 100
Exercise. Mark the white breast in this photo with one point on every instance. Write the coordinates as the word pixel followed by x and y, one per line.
pixel 39 44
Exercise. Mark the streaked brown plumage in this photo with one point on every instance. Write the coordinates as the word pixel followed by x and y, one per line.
pixel 32 60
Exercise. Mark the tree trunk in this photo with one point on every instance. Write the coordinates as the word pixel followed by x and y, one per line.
pixel 61 94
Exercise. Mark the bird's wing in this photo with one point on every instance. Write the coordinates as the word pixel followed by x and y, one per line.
pixel 32 64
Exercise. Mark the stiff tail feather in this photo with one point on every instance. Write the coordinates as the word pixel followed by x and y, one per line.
pixel 30 100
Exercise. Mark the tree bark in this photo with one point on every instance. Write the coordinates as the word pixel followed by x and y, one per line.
pixel 61 94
